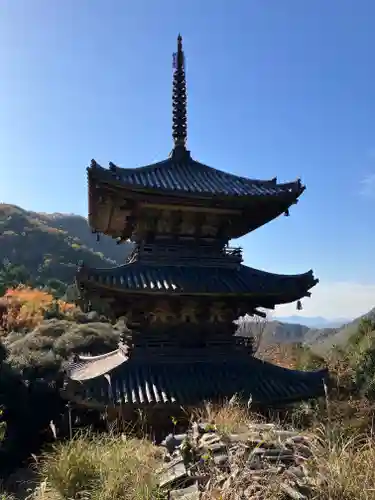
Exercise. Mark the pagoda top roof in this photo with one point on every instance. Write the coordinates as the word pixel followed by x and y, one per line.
pixel 183 175
pixel 180 174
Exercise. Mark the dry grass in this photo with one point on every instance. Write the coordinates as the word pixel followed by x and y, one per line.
pixel 342 468
pixel 230 417
pixel 99 468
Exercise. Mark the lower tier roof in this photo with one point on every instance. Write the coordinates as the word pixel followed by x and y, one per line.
pixel 192 383
pixel 195 279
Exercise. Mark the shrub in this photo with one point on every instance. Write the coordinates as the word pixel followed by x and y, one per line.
pixel 52 342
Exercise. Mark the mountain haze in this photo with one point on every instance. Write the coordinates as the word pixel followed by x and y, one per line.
pixel 315 321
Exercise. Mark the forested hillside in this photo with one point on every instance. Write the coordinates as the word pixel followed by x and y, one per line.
pixel 43 250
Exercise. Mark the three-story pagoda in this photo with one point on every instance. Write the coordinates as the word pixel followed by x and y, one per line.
pixel 182 287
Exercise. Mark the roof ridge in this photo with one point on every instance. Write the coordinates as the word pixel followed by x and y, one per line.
pixel 191 163
pixel 152 265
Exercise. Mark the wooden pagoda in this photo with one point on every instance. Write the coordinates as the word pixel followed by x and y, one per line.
pixel 182 287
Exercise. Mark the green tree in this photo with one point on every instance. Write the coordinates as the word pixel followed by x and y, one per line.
pixel 361 355
pixel 56 287
pixel 13 275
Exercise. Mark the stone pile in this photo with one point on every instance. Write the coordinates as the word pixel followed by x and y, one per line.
pixel 257 461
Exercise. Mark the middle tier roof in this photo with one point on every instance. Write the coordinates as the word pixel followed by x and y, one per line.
pixel 267 288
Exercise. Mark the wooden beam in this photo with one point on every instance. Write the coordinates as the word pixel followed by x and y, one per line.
pixel 184 208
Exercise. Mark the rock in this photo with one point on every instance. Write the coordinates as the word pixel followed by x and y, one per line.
pixel 171 442
pixel 180 438
pixel 245 437
pixel 256 474
pixel 295 472
pixel 195 432
pixel 280 456
pixel 80 317
pixel 92 316
pixel 300 439
pixel 174 474
pixel 254 462
pixel 304 451
pixel 292 493
pixel 209 439
pixel 287 435
pixel 190 493
pixel 206 427
pixel 221 460
pixel 217 447
pixel 262 427
pixel 271 452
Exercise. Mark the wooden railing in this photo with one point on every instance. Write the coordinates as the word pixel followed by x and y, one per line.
pixel 206 253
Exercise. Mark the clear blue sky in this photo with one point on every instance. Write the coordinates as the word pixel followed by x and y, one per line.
pixel 276 87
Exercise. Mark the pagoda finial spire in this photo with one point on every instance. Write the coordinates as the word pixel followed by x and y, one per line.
pixel 179 100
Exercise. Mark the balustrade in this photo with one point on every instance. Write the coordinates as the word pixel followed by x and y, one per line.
pixel 160 252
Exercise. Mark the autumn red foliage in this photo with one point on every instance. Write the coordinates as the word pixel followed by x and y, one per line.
pixel 23 308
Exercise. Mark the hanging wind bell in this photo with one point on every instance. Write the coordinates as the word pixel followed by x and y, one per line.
pixel 299 305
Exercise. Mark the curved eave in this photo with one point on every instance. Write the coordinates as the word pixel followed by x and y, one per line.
pixel 89 367
pixel 101 177
pixel 246 282
pixel 269 212
pixel 267 201
pixel 191 383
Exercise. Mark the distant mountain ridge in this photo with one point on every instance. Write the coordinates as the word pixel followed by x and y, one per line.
pixel 314 321
pixel 272 331
pixel 282 332
pixel 324 338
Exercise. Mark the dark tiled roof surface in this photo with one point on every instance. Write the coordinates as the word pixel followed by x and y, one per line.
pixel 191 383
pixel 190 176
pixel 197 279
